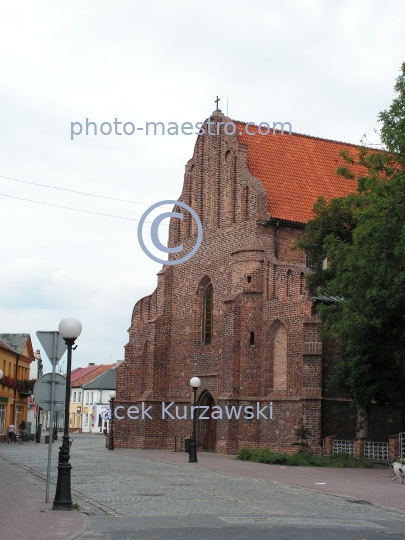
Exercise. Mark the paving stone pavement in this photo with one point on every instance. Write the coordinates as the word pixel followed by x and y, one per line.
pixel 23 511
pixel 131 497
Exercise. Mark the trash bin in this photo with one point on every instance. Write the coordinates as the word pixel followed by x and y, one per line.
pixel 187 442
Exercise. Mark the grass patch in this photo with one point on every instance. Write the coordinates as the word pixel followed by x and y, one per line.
pixel 304 459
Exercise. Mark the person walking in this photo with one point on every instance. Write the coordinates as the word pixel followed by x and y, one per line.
pixel 23 430
pixel 11 433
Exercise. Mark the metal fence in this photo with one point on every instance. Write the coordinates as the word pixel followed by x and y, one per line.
pixel 402 445
pixel 376 450
pixel 343 447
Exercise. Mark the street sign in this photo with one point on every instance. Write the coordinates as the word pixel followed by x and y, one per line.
pixel 43 391
pixel 54 345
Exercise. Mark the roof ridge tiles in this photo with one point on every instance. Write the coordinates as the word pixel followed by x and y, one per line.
pixel 314 137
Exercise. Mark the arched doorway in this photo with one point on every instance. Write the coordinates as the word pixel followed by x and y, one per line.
pixel 207 432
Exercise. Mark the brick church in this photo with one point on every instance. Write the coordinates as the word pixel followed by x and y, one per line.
pixel 237 314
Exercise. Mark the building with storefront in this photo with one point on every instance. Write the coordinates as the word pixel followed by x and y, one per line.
pixel 16 356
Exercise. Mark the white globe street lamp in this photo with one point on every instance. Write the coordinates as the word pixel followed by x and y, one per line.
pixel 1 374
pixel 195 383
pixel 70 329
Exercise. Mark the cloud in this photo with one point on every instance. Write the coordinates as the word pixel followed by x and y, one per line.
pixel 328 68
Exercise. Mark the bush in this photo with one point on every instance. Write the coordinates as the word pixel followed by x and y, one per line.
pixel 244 454
pixel 264 455
pixel 304 459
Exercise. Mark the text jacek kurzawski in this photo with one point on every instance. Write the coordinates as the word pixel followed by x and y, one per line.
pixel 182 412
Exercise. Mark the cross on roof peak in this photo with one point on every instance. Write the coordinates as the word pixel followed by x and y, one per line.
pixel 217 101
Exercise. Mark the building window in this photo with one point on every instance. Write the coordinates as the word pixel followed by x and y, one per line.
pixel 249 279
pixel 208 308
pixel 87 398
pixel 252 338
pixel 92 398
pixel 74 397
pixel 79 399
pixel 311 263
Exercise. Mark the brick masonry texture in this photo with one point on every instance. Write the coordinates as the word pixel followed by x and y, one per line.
pixel 266 343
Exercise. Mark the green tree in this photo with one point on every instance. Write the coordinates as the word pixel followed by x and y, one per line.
pixel 362 237
pixel 302 434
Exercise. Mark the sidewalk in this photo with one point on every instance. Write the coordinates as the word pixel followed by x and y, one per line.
pixel 24 514
pixel 371 485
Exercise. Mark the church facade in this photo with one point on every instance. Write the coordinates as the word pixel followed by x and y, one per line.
pixel 237 314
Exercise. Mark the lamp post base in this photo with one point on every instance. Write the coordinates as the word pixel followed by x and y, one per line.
pixel 63 497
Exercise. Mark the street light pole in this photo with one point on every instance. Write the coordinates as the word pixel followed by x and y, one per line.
pixel 70 329
pixel 195 383
pixel 111 426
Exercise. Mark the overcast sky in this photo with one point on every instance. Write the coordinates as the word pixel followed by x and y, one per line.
pixel 327 67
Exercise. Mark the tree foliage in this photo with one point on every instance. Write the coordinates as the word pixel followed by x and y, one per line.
pixel 302 434
pixel 362 236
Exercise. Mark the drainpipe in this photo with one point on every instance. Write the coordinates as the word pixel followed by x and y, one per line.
pixel 276 241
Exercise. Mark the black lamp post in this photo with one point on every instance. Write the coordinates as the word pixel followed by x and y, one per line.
pixel 70 329
pixel 38 428
pixel 195 383
pixel 111 441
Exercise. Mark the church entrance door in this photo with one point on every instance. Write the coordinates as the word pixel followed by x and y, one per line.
pixel 207 427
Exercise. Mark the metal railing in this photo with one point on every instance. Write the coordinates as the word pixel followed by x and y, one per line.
pixel 402 445
pixel 343 447
pixel 376 450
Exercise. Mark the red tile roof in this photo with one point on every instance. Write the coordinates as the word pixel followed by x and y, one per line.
pixel 296 169
pixel 79 372
pixel 90 375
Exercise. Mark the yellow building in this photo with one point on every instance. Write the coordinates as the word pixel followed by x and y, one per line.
pixel 16 355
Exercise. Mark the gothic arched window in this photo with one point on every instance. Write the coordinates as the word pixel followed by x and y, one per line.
pixel 289 283
pixel 245 203
pixel 208 309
